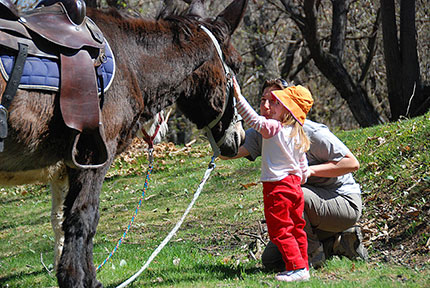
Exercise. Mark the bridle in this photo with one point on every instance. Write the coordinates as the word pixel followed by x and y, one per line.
pixel 229 90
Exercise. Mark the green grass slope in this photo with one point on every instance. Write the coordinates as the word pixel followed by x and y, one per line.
pixel 395 180
pixel 221 240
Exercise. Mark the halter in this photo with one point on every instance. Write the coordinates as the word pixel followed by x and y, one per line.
pixel 236 117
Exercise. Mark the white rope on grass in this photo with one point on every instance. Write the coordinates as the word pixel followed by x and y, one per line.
pixel 172 233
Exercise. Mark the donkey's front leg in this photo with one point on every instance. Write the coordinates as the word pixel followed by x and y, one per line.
pixel 76 268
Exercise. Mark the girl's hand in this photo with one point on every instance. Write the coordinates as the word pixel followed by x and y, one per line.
pixel 236 87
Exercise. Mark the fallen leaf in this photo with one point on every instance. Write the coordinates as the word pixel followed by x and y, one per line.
pixel 246 186
pixel 412 211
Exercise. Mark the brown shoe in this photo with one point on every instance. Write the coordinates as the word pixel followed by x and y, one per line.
pixel 349 244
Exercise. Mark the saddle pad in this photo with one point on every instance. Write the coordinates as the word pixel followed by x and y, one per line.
pixel 44 74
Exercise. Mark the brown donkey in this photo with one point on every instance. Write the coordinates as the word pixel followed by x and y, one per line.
pixel 159 62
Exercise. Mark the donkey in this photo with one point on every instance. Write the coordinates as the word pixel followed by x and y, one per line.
pixel 159 62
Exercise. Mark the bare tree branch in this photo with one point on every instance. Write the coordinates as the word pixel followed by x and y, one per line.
pixel 371 46
pixel 292 10
pixel 289 57
pixel 300 67
pixel 333 69
pixel 338 27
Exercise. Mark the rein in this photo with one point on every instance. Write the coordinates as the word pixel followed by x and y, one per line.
pixel 216 152
pixel 228 74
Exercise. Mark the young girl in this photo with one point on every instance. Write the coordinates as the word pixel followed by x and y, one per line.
pixel 283 168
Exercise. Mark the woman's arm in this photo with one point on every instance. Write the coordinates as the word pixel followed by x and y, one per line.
pixel 334 169
pixel 242 152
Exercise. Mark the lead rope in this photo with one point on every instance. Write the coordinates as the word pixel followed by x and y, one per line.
pixel 150 141
pixel 210 168
pixel 145 186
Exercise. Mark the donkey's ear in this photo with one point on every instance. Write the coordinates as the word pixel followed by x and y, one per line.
pixel 233 14
pixel 197 9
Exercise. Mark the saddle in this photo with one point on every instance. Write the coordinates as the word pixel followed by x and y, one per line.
pixel 61 31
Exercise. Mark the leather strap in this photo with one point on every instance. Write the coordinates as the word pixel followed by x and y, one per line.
pixel 79 100
pixel 15 76
pixel 10 90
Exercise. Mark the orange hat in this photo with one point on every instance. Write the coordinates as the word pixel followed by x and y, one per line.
pixel 296 99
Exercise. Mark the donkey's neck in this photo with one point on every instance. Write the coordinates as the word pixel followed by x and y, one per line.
pixel 162 58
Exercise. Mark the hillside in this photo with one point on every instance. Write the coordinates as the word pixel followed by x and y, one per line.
pixel 394 176
pixel 222 238
pixel 395 180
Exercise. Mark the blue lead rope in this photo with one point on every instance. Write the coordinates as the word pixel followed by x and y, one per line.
pixel 211 167
pixel 145 186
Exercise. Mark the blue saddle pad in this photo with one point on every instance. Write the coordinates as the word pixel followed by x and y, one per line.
pixel 44 74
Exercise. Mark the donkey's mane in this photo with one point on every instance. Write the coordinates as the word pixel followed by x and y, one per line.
pixel 176 22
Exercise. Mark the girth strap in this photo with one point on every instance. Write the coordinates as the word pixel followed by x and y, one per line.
pixel 10 90
pixel 15 76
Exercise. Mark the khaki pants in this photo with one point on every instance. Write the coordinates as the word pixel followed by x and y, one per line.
pixel 326 213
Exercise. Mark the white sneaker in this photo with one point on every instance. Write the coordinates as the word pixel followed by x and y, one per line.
pixel 294 275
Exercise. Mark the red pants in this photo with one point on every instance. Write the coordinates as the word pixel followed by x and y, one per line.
pixel 283 209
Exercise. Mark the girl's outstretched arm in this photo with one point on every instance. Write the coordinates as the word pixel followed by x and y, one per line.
pixel 266 127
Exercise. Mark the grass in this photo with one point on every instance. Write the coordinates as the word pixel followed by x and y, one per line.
pixel 215 245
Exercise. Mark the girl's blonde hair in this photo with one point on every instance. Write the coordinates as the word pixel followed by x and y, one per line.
pixel 288 120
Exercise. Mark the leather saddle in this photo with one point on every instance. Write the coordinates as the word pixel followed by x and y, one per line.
pixel 61 31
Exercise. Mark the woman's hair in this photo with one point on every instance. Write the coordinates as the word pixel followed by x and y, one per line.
pixel 279 82
pixel 288 119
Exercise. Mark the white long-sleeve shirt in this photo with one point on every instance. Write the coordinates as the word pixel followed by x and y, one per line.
pixel 280 157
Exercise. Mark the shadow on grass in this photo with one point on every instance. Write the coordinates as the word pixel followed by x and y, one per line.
pixel 218 272
pixel 18 222
pixel 15 277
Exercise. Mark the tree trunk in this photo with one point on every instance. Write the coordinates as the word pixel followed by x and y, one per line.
pixel 333 69
pixel 405 92
pixel 338 27
pixel 412 97
pixel 392 57
pixel 356 97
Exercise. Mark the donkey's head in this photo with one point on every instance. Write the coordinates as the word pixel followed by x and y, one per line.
pixel 207 99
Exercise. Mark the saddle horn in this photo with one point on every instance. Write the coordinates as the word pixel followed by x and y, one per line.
pixel 76 9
